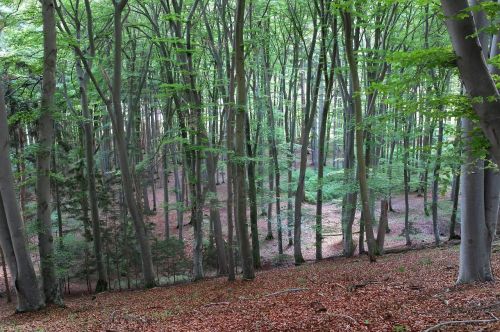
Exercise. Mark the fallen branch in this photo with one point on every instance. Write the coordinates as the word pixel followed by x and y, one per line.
pixel 343 316
pixel 456 322
pixel 337 234
pixel 215 303
pixel 291 290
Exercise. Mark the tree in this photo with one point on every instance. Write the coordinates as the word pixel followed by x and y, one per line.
pixel 116 115
pixel 479 200
pixel 240 144
pixel 45 141
pixel 12 234
pixel 362 175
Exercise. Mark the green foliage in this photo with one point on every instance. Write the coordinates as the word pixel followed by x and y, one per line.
pixel 424 58
pixel 169 258
pixel 400 328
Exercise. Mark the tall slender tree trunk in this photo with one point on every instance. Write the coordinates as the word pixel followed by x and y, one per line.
pixel 45 140
pixel 252 195
pixel 166 207
pixel 241 104
pixel 88 129
pixel 126 173
pixel 435 184
pixel 362 171
pixel 406 183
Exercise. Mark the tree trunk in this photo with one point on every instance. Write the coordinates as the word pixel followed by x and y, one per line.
pixel 5 277
pixel 13 239
pixel 478 196
pixel 456 195
pixel 435 184
pixel 474 72
pixel 88 129
pixel 382 225
pixel 362 171
pixel 406 180
pixel 241 101
pixel 126 173
pixel 476 235
pixel 166 207
pixel 45 141
pixel 252 196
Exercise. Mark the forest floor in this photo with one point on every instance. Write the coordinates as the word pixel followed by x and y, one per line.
pixel 401 292
pixel 406 291
pixel 332 243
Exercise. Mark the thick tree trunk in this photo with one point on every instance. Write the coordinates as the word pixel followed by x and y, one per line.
pixel 12 234
pixel 478 197
pixel 474 72
pixel 476 235
pixel 45 141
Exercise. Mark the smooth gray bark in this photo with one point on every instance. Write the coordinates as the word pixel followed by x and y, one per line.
pixel 476 227
pixel 241 197
pixel 12 234
pixel 45 130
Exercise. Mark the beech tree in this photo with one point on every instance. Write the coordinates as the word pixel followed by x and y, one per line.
pixel 480 194
pixel 12 233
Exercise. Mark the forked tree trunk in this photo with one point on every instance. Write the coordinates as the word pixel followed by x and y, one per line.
pixel 478 197
pixel 362 171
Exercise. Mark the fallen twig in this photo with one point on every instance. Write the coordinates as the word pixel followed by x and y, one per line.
pixel 343 316
pixel 291 290
pixel 456 322
pixel 215 303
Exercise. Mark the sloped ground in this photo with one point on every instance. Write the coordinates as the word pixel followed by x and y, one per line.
pixel 401 292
